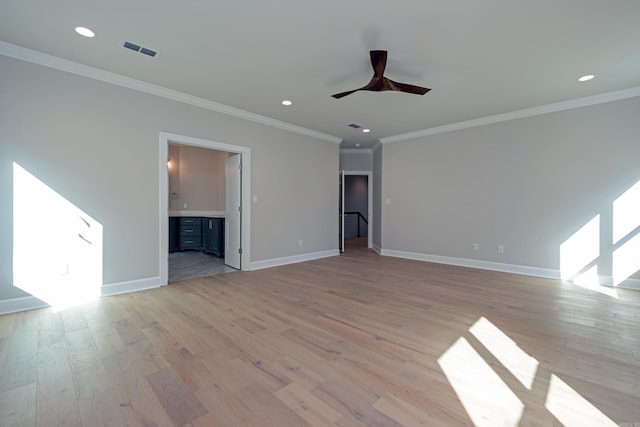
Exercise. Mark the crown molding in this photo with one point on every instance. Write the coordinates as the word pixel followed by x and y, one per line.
pixel 356 151
pixel 61 64
pixel 519 114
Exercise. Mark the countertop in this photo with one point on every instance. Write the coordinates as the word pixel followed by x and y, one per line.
pixel 208 214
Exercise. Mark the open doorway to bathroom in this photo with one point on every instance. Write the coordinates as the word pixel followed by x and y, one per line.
pixel 197 182
pixel 204 228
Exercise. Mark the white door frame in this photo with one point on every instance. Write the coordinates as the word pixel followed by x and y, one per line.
pixel 369 175
pixel 245 234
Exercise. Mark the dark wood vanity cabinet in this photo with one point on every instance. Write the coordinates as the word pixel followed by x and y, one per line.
pixel 197 233
pixel 190 233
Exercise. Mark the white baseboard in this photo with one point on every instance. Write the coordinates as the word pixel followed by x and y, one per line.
pixel 630 284
pixel 472 263
pixel 376 248
pixel 15 305
pixel 130 286
pixel 258 265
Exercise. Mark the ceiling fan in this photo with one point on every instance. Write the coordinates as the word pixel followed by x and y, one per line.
pixel 379 82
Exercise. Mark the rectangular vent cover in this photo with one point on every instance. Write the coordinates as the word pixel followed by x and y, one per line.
pixel 132 46
pixel 137 48
pixel 149 52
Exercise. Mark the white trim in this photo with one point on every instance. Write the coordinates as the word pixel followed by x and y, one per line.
pixel 130 286
pixel 513 115
pixel 377 249
pixel 245 232
pixel 15 305
pixel 275 262
pixel 472 263
pixel 51 61
pixel 369 175
pixel 356 151
pixel 630 284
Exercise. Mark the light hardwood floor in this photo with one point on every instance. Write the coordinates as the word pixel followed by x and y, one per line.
pixel 352 340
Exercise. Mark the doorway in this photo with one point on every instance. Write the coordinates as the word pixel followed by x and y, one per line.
pixel 241 227
pixel 356 207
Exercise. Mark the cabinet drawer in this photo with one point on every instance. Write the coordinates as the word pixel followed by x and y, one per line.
pixel 187 242
pixel 190 230
pixel 189 220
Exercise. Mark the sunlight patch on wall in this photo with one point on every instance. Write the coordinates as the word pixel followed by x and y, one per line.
pixel 571 409
pixel 626 213
pixel 626 222
pixel 580 250
pixel 626 260
pixel 580 256
pixel 57 248
pixel 470 375
pixel 519 363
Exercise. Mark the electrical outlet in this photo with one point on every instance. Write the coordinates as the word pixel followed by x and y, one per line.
pixel 500 249
pixel 476 247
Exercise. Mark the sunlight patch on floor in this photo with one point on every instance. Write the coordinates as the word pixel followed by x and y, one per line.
pixel 487 398
pixel 484 395
pixel 571 409
pixel 519 363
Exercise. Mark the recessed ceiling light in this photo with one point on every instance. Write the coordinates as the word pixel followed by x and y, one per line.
pixel 366 130
pixel 358 145
pixel 586 78
pixel 286 102
pixel 84 31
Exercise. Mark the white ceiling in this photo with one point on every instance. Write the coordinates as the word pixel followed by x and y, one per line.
pixel 480 58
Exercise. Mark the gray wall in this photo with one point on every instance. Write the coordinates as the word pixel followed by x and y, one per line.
pixel 97 145
pixel 197 178
pixel 527 184
pixel 356 160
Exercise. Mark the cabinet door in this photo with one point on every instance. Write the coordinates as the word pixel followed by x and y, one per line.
pixel 215 241
pixel 207 234
pixel 173 234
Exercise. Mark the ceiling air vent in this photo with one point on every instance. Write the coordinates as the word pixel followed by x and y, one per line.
pixel 149 52
pixel 354 125
pixel 137 48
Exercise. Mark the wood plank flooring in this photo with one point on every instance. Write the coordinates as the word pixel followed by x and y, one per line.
pixel 352 340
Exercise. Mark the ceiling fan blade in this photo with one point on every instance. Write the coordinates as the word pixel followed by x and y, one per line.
pixel 404 87
pixel 378 62
pixel 341 94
